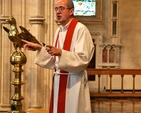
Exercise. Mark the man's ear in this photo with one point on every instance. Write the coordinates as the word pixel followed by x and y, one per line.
pixel 72 11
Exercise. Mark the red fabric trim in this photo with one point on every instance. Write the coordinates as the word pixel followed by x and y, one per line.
pixel 56 44
pixel 62 93
pixel 51 99
pixel 69 34
pixel 64 78
pixel 57 39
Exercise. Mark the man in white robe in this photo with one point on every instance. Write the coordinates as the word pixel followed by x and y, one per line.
pixel 73 61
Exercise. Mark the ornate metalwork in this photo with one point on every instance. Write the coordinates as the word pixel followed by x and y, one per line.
pixel 18 59
pixel 15 36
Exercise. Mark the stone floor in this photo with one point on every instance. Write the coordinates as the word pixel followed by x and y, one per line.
pixel 118 105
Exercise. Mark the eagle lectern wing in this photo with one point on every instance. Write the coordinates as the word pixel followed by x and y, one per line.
pixel 26 35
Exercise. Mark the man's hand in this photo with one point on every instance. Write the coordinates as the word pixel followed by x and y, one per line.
pixel 31 46
pixel 53 50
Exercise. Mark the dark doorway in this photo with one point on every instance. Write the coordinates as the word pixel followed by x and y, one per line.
pixel 92 65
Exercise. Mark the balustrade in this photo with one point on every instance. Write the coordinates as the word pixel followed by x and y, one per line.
pixel 115 72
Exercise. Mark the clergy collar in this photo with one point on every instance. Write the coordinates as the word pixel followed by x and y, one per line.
pixel 63 28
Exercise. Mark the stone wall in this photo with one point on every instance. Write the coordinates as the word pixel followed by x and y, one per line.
pixel 38 16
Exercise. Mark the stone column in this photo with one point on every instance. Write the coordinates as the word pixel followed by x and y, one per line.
pixel 5 51
pixel 36 74
pixel 50 29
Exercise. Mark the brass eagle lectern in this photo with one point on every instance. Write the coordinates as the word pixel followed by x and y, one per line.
pixel 17 59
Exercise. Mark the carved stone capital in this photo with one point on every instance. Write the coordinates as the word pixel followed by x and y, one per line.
pixel 37 20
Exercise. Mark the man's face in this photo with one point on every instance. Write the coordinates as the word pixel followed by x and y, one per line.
pixel 63 12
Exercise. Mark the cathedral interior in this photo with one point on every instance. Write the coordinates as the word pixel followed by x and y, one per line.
pixel 115 27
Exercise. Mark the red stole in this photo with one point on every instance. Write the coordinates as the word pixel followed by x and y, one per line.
pixel 63 78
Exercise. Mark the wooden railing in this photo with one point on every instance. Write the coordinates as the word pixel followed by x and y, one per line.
pixel 111 73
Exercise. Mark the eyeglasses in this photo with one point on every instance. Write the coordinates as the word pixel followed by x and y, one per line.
pixel 61 8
